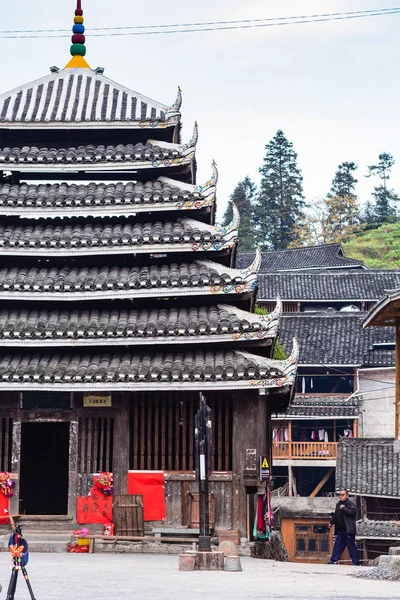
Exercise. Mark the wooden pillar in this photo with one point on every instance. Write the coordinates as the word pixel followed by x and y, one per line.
pixel 244 444
pixel 121 444
pixel 73 468
pixel 397 399
pixel 16 465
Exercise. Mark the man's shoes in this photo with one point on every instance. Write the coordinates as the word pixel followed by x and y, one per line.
pixel 356 565
pixel 332 562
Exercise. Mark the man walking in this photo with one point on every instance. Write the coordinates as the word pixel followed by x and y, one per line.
pixel 344 520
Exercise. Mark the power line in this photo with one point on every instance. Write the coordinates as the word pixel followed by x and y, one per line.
pixel 199 28
pixel 202 23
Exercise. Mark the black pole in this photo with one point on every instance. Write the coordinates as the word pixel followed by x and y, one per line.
pixel 203 469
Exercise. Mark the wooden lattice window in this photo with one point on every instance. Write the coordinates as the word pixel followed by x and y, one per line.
pixel 312 541
pixel 162 432
pixel 95 447
pixel 5 443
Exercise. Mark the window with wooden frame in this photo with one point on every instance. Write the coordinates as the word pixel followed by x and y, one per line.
pixel 162 432
pixel 95 444
pixel 311 540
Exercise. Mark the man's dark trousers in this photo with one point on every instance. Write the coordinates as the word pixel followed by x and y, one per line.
pixel 344 539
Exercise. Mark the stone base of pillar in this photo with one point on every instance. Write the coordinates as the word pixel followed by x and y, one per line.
pixel 187 562
pixel 209 561
pixel 232 563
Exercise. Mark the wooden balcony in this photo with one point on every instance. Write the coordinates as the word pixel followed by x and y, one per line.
pixel 304 450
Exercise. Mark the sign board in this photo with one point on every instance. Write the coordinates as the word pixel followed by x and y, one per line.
pixel 97 400
pixel 264 468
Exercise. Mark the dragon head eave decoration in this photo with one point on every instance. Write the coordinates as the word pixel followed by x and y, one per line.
pixel 210 187
pixel 233 226
pixel 254 268
pixel 174 111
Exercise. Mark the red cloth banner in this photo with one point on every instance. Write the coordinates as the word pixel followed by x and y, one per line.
pixel 96 508
pixel 151 486
pixel 4 509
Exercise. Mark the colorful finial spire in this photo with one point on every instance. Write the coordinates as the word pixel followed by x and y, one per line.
pixel 78 48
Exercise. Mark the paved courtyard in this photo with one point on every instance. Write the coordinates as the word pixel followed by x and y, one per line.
pixel 148 577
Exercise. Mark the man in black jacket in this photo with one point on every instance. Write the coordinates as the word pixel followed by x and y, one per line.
pixel 344 520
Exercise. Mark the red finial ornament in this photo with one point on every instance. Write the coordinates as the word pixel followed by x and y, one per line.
pixel 79 11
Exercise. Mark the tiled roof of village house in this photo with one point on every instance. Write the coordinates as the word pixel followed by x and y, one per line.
pixel 104 199
pixel 378 529
pixel 81 98
pixel 306 406
pixel 368 467
pixel 324 286
pixel 332 338
pixel 328 256
pixel 380 357
pixel 93 327
pixel 117 236
pixel 152 154
pixel 92 283
pixel 126 370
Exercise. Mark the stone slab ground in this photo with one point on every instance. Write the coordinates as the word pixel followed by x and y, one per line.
pixel 152 577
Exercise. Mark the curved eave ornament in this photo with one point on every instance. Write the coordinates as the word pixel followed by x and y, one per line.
pixel 286 369
pixel 210 187
pixel 174 111
pixel 263 326
pixel 189 149
pixel 223 237
pixel 254 268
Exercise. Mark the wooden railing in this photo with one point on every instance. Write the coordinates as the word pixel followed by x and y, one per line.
pixel 305 450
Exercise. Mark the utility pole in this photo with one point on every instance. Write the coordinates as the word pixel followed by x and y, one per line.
pixel 202 423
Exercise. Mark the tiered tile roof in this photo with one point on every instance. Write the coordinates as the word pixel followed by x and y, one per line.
pixel 80 242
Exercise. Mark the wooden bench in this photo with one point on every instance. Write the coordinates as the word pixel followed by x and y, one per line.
pixel 179 534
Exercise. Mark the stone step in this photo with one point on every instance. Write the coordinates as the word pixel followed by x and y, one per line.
pixel 394 551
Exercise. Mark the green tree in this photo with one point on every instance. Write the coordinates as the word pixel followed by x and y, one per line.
pixel 279 204
pixel 344 182
pixel 383 210
pixel 243 196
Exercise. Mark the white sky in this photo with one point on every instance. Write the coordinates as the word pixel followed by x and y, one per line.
pixel 332 87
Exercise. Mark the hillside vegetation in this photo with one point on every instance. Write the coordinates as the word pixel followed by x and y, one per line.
pixel 378 248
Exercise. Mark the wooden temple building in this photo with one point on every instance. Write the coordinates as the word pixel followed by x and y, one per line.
pixel 119 303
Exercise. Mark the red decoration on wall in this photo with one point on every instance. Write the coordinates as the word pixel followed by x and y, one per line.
pixel 4 509
pixel 151 486
pixel 96 508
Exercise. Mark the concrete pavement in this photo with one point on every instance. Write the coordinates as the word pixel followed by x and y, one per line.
pixel 156 577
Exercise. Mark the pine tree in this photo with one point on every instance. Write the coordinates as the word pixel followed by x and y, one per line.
pixel 243 196
pixel 279 204
pixel 344 182
pixel 383 210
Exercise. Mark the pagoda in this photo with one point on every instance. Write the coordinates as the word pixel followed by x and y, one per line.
pixel 119 303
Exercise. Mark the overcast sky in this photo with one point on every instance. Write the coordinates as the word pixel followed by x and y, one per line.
pixel 332 87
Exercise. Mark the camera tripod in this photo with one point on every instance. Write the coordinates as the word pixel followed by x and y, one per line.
pixel 18 547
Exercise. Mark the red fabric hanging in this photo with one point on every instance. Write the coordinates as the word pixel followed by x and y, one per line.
pixel 151 486
pixel 4 509
pixel 260 515
pixel 96 508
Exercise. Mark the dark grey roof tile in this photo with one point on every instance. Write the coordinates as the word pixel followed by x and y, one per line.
pixel 102 327
pixel 126 367
pixel 105 102
pixel 368 467
pixel 327 256
pixel 344 286
pixel 334 338
pixel 378 529
pixel 125 281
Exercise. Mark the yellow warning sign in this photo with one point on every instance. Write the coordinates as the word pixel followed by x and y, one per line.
pixel 264 464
